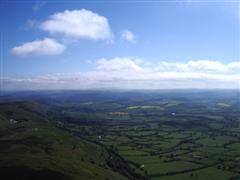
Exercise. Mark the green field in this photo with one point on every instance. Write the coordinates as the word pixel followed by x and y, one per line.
pixel 159 136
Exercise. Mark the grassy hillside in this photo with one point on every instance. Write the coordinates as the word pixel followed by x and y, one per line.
pixel 32 147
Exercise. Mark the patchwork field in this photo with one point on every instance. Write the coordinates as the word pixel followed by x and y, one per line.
pixel 160 135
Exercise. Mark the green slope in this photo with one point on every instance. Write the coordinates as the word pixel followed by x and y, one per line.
pixel 32 147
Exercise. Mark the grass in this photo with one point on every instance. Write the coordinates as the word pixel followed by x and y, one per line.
pixel 211 173
pixel 162 168
pixel 203 133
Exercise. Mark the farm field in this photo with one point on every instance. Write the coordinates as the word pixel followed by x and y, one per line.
pixel 160 135
pixel 192 137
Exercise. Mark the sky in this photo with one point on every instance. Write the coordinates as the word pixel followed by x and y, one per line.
pixel 171 44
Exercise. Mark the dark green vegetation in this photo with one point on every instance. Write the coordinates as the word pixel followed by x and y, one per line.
pixel 33 147
pixel 121 135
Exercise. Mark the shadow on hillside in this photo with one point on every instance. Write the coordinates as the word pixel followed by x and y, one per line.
pixel 25 173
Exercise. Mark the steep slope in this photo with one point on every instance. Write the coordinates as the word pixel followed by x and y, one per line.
pixel 32 147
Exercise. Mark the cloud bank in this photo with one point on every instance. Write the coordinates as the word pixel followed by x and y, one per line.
pixel 135 73
pixel 118 64
pixel 46 46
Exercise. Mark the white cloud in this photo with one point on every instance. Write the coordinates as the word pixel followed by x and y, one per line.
pixel 80 24
pixel 194 66
pixel 128 36
pixel 234 66
pixel 119 64
pixel 73 25
pixel 133 73
pixel 46 46
pixel 206 66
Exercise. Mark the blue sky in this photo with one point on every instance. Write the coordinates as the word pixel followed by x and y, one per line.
pixel 154 42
